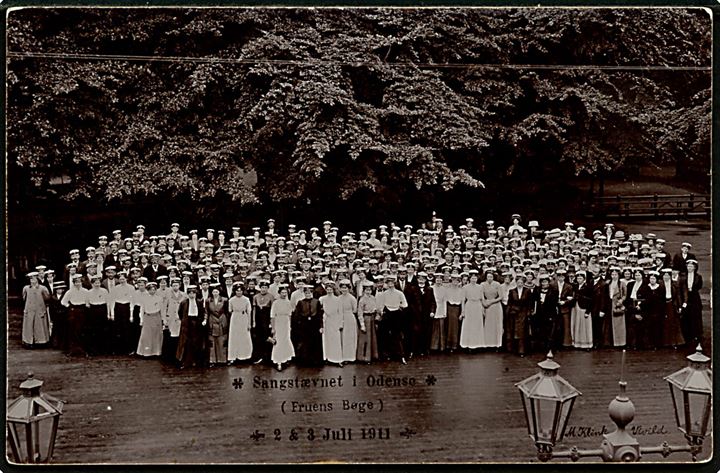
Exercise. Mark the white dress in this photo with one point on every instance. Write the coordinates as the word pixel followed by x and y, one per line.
pixel 493 314
pixel 332 336
pixel 472 333
pixel 283 349
pixel 240 345
pixel 348 309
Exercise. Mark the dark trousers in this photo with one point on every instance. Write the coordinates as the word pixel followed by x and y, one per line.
pixel 543 332
pixel 598 330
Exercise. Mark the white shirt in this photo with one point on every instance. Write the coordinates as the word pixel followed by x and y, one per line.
pixel 75 296
pixel 690 280
pixel 192 307
pixel 393 299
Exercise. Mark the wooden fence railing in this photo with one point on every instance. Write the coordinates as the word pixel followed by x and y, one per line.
pixel 651 206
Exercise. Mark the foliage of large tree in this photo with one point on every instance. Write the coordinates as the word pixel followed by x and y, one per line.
pixel 326 102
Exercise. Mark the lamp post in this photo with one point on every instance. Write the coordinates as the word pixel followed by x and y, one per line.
pixel 690 387
pixel 32 423
pixel 691 391
pixel 547 401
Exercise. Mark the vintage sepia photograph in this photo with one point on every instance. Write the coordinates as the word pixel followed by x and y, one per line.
pixel 297 235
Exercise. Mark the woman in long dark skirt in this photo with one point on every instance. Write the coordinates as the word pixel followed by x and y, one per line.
pixel 671 332
pixel 59 318
pixel 191 348
pixel 121 297
pixel 692 312
pixel 217 323
pixel 454 298
pixel 307 320
pixel 261 323
pixel 633 314
pixel 76 300
pixel 367 348
pixel 653 310
pixel 393 305
pixel 135 327
pixel 98 314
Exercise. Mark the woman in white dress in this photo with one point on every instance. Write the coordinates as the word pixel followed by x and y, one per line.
pixel 151 334
pixel 240 345
pixel 280 313
pixel 472 333
pixel 492 303
pixel 348 310
pixel 332 322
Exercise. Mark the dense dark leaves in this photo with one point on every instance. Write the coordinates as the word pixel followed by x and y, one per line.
pixel 329 102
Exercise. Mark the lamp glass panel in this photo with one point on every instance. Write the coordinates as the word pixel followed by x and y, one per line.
pixel 17 436
pixel 677 397
pixel 528 413
pixel 698 405
pixel 43 431
pixel 565 409
pixel 545 413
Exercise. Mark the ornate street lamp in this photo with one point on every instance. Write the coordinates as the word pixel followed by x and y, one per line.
pixel 32 422
pixel 547 401
pixel 690 387
pixel 691 391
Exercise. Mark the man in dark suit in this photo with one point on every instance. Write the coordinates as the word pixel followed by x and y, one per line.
pixel 519 308
pixel 112 258
pixel 109 281
pixel 544 317
pixel 666 258
pixel 193 333
pixel 90 251
pixel 566 300
pixel 428 306
pixel 679 261
pixel 320 290
pixel 155 269
pixel 600 311
pixel 227 286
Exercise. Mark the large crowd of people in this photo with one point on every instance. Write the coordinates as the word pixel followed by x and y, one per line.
pixel 317 296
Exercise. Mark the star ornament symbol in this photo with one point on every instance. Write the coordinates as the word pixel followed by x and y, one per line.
pixel 430 380
pixel 407 433
pixel 237 383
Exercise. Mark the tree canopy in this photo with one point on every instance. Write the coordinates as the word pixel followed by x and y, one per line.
pixel 273 104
